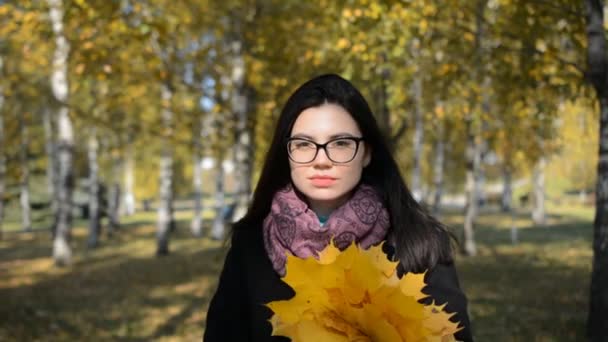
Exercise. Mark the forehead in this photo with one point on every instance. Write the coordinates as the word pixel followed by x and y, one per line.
pixel 325 122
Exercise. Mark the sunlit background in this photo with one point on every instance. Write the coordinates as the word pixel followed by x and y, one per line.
pixel 132 133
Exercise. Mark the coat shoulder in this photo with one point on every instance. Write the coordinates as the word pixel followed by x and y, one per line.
pixel 443 287
pixel 247 238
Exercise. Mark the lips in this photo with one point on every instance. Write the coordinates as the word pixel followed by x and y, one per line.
pixel 322 181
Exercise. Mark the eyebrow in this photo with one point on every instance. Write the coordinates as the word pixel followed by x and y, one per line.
pixel 333 136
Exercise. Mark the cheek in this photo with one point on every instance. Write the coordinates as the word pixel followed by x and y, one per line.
pixel 298 172
pixel 353 174
pixel 356 171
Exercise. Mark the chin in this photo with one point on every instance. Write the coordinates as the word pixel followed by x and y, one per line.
pixel 324 194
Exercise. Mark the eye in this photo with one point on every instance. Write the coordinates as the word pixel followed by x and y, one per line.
pixel 302 144
pixel 343 143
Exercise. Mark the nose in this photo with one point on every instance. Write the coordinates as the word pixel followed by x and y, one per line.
pixel 321 158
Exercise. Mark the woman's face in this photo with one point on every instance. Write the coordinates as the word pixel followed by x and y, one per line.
pixel 325 183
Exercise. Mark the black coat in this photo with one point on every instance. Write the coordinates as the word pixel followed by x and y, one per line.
pixel 248 281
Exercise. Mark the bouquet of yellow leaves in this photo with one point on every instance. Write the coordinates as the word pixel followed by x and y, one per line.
pixel 355 295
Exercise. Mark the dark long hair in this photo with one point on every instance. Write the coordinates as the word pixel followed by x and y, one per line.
pixel 419 240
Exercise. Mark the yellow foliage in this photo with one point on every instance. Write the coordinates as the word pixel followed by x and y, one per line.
pixel 577 158
pixel 355 295
pixel 343 43
pixel 424 25
pixel 429 9
pixel 4 9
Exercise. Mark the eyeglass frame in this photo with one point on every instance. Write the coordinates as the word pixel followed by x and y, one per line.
pixel 357 141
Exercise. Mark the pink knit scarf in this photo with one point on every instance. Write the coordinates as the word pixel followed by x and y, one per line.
pixel 291 226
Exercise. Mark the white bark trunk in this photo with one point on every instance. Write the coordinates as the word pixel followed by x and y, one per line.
pixel 59 83
pixel 113 209
pixel 538 212
pixel 507 190
pixel 129 197
pixel 94 192
pixel 197 181
pixel 2 158
pixel 61 249
pixel 218 228
pixel 243 147
pixel 480 182
pixel 24 198
pixel 472 145
pixel 438 167
pixel 165 205
pixel 483 143
pixel 418 145
pixel 51 159
pixel 472 165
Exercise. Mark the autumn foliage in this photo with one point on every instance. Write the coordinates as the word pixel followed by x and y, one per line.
pixel 356 295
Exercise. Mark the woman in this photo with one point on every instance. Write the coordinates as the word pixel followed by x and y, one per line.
pixel 328 173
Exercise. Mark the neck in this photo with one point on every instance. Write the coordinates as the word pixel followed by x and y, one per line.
pixel 325 208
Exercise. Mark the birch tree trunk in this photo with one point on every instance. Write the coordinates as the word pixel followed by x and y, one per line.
pixel 597 320
pixel 51 162
pixel 196 226
pixel 129 172
pixel 165 205
pixel 538 212
pixel 507 189
pixel 94 192
pixel 2 158
pixel 62 252
pixel 483 143
pixel 218 228
pixel 438 167
pixel 472 145
pixel 418 145
pixel 472 165
pixel 24 198
pixel 480 178
pixel 242 99
pixel 506 200
pixel 113 210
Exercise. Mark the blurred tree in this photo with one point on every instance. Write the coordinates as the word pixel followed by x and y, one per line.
pixel 166 221
pixel 218 228
pixel 129 180
pixel 114 191
pixel 2 157
pixel 52 166
pixel 473 122
pixel 198 135
pixel 576 165
pixel 443 78
pixel 65 141
pixel 94 190
pixel 241 18
pixel 597 59
pixel 26 216
pixel 2 110
pixel 439 122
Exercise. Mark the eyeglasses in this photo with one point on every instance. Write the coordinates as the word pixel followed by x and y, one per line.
pixel 339 150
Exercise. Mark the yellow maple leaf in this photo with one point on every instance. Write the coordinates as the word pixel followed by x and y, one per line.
pixel 355 295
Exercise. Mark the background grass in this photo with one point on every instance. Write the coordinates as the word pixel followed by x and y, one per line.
pixel 536 290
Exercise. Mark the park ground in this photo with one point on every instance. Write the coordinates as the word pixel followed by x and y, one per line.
pixel 535 290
